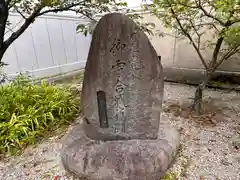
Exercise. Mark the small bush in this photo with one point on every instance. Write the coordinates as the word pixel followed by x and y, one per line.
pixel 28 111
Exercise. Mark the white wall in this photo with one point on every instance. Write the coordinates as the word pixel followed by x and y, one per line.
pixel 50 46
pixel 178 53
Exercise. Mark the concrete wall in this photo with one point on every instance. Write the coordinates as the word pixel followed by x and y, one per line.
pixel 178 53
pixel 50 46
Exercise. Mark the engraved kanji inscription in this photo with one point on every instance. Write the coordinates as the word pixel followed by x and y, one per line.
pixel 117 45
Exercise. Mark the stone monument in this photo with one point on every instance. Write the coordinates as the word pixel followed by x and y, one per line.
pixel 120 137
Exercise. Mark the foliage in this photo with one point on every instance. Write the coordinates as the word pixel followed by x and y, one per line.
pixel 88 28
pixel 194 19
pixel 28 111
pixel 29 10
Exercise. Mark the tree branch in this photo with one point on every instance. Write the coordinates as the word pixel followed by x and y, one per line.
pixel 209 15
pixel 83 13
pixel 196 31
pixel 25 25
pixel 189 37
pixel 37 12
pixel 232 52
pixel 215 53
pixel 207 24
pixel 3 20
pixel 10 29
pixel 236 21
pixel 19 12
pixel 226 56
pixel 60 9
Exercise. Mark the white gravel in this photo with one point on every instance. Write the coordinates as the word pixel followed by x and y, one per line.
pixel 206 152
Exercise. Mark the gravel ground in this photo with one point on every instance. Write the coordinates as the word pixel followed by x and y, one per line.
pixel 206 152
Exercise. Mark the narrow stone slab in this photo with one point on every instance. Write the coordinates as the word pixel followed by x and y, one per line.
pixel 123 66
pixel 120 137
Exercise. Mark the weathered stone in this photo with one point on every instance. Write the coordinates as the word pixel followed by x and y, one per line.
pixel 120 160
pixel 123 64
pixel 120 137
pixel 101 134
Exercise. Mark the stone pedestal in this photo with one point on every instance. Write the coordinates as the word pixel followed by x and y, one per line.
pixel 119 159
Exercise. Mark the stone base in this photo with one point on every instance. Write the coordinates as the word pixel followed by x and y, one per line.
pixel 121 159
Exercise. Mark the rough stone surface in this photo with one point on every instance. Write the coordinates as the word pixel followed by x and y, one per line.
pixel 119 160
pixel 123 64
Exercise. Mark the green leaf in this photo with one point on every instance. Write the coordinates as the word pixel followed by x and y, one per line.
pixel 28 111
pixel 192 20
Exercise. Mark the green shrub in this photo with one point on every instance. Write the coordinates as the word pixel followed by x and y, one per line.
pixel 170 176
pixel 28 111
